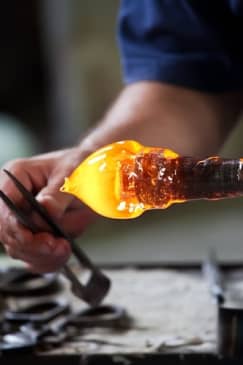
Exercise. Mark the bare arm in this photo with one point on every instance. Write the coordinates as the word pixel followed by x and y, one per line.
pixel 189 122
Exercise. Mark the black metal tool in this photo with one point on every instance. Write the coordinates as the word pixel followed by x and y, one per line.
pixel 37 312
pixel 104 316
pixel 95 288
pixel 35 318
pixel 229 317
pixel 52 324
pixel 19 282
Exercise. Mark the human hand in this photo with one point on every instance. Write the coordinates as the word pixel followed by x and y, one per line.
pixel 42 175
pixel 154 114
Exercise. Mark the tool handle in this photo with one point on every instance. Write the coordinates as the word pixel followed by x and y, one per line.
pixel 214 277
pixel 93 290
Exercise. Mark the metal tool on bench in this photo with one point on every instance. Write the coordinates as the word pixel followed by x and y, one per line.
pixel 230 317
pixel 37 314
pixel 95 288
pixel 48 322
pixel 20 282
pixel 18 285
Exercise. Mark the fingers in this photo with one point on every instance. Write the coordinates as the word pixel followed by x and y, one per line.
pixel 75 221
pixel 43 176
pixel 55 201
pixel 49 254
pixel 42 252
pixel 8 187
pixel 29 174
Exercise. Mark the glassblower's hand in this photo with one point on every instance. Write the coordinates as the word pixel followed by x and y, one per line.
pixel 43 175
pixel 155 114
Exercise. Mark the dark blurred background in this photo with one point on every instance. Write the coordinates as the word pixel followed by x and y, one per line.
pixel 59 72
pixel 59 66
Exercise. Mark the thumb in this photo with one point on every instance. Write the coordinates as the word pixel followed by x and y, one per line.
pixel 55 201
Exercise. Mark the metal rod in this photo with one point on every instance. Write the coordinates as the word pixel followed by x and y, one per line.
pixel 214 277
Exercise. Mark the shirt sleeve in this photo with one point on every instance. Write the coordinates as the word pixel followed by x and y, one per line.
pixel 182 42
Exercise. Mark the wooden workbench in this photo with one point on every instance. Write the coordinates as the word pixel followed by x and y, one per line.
pixel 174 319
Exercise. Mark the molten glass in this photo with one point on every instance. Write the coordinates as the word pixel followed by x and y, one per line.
pixel 124 179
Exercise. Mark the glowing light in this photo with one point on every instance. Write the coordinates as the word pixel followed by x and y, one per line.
pixel 107 180
pixel 124 179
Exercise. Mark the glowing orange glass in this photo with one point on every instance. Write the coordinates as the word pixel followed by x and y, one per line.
pixel 124 179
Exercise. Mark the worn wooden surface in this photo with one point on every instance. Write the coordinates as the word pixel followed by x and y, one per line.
pixel 172 312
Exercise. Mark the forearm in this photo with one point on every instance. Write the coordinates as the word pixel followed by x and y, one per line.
pixel 189 122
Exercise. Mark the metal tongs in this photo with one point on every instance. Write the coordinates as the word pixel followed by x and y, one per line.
pixel 95 284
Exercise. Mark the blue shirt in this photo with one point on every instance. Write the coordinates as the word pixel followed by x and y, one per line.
pixel 192 43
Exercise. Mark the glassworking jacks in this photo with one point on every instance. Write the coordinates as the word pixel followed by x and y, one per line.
pixel 96 284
